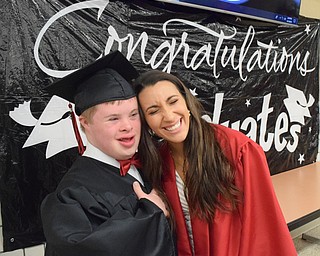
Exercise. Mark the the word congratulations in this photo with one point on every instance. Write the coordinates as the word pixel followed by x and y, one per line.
pixel 216 54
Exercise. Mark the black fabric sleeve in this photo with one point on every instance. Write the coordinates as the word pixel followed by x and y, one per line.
pixel 77 222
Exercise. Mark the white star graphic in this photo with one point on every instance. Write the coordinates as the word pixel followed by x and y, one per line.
pixel 247 103
pixel 307 29
pixel 301 158
pixel 193 92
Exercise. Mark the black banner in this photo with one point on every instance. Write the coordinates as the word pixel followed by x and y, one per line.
pixel 259 78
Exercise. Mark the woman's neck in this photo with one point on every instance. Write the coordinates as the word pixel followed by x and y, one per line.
pixel 177 152
pixel 179 159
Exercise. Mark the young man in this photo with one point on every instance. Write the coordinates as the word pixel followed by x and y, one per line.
pixel 94 210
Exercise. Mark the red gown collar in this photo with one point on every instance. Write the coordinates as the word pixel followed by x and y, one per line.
pixel 200 229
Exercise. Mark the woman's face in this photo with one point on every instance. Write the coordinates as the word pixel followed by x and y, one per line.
pixel 165 111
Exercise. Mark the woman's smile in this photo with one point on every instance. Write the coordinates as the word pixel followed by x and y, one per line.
pixel 173 127
pixel 165 111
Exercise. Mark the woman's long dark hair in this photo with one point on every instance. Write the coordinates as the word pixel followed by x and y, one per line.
pixel 210 177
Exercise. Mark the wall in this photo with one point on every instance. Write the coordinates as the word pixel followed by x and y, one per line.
pixel 311 8
pixel 31 251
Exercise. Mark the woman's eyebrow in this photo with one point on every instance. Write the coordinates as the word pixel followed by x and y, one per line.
pixel 152 106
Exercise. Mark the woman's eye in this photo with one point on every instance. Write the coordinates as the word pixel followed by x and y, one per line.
pixel 173 101
pixel 153 112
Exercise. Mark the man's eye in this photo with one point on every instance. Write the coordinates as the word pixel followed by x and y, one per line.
pixel 135 115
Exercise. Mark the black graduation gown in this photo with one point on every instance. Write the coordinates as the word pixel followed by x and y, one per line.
pixel 94 212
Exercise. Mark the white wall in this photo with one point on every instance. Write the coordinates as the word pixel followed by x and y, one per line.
pixel 311 8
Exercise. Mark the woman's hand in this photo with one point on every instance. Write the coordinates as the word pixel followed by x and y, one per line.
pixel 153 197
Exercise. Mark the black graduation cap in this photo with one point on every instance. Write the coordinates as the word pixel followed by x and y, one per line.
pixel 106 79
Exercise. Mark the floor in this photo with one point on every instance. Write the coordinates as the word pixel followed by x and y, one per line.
pixel 308 248
pixel 304 248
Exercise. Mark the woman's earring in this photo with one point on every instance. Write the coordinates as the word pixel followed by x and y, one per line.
pixel 154 136
pixel 189 112
pixel 151 132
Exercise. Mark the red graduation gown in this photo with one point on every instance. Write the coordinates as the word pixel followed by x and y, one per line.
pixel 256 228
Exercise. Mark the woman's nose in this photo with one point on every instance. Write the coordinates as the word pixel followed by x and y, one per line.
pixel 168 114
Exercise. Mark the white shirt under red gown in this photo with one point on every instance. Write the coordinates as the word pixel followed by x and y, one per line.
pixel 256 228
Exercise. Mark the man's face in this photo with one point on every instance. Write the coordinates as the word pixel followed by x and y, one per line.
pixel 114 128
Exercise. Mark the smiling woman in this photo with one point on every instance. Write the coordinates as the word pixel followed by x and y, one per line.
pixel 216 179
pixel 166 111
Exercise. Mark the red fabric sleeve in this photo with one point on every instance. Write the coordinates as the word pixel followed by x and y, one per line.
pixel 264 230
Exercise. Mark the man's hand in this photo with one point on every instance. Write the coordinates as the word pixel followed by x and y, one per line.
pixel 153 197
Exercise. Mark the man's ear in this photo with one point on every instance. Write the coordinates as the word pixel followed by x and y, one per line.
pixel 83 121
